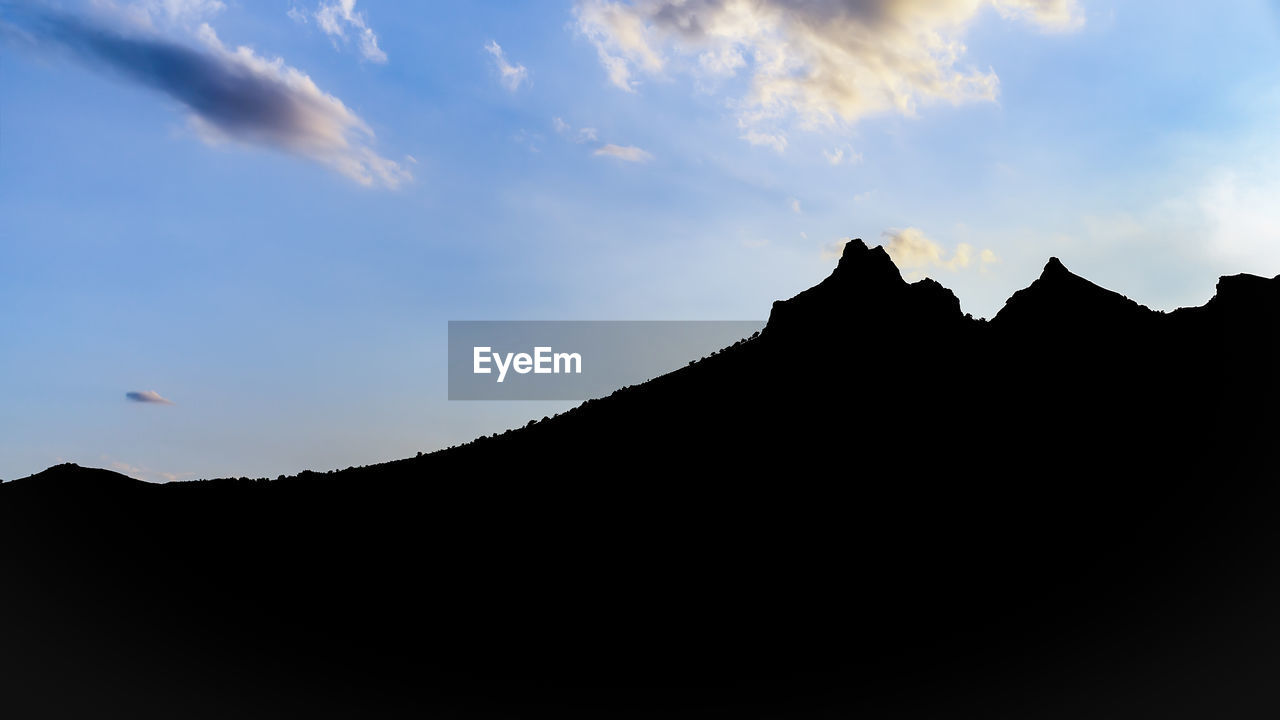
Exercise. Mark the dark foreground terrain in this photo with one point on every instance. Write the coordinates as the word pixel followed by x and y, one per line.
pixel 878 508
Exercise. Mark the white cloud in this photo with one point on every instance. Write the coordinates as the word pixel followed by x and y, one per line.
pixel 818 63
pixel 777 142
pixel 627 153
pixel 180 12
pixel 842 155
pixel 510 75
pixel 620 35
pixel 335 17
pixel 794 204
pixel 914 253
pixel 581 135
pixel 1052 15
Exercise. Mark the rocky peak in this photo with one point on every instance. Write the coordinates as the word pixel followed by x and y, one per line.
pixel 865 289
pixel 1060 297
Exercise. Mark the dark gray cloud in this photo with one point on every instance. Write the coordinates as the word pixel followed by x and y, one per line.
pixel 232 95
pixel 147 396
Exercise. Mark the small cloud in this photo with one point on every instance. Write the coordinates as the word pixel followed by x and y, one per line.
pixel 582 135
pixel 510 75
pixel 1049 15
pixel 985 258
pixel 147 396
pixel 914 253
pixel 627 153
pixel 145 474
pixel 126 468
pixel 777 142
pixel 334 18
pixel 842 155
pixel 794 204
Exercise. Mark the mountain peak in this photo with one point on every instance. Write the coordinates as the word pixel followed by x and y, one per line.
pixel 865 288
pixel 1060 297
pixel 1055 268
pixel 866 262
pixel 853 248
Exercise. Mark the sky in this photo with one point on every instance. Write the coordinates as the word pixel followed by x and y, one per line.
pixel 232 234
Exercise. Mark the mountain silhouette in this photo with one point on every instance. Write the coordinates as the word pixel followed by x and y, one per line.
pixel 1059 299
pixel 878 507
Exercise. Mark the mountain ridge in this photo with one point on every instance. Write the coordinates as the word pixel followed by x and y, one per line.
pixel 866 274
pixel 878 506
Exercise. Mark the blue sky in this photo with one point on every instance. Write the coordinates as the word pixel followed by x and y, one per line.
pixel 267 212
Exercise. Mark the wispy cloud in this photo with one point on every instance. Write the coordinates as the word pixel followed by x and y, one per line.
pixel 626 153
pixel 335 18
pixel 821 63
pixel 581 135
pixel 511 75
pixel 531 140
pixel 775 141
pixel 174 13
pixel 841 155
pixel 231 95
pixel 145 474
pixel 147 396
pixel 619 33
